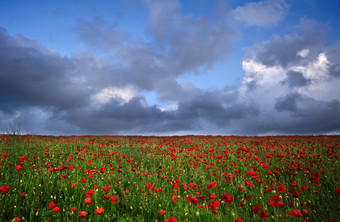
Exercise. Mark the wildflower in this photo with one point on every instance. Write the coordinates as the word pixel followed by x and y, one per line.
pixel 114 199
pixel 251 173
pixel 213 205
pixel 89 193
pixel 295 213
pixel 172 219
pixel 303 188
pixel 82 213
pixel 263 214
pixel 88 200
pixel 56 209
pixel 192 200
pixel 99 210
pixel 162 212
pixel 256 208
pixel 281 188
pixel 51 205
pixel 279 205
pixel 227 198
pixel 296 193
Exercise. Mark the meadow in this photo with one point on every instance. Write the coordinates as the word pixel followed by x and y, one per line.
pixel 179 178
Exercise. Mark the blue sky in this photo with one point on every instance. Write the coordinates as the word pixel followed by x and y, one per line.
pixel 170 67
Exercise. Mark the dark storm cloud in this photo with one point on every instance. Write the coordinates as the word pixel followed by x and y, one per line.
pixel 31 75
pixel 311 117
pixel 333 54
pixel 287 102
pixel 42 86
pixel 284 51
pixel 295 79
pixel 218 107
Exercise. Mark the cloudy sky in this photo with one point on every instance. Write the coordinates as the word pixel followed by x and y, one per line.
pixel 169 67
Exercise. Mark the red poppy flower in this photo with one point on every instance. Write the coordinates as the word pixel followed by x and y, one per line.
pixel 249 197
pixel 17 219
pixel 99 210
pixel 213 205
pixel 88 200
pixel 263 214
pixel 303 188
pixel 212 184
pixel 3 155
pixel 281 188
pixel 172 219
pixel 212 196
pixel 174 198
pixel 114 199
pixel 227 198
pixel 162 212
pixel 89 193
pixel 51 205
pixel 73 208
pixel 4 188
pixel 82 213
pixel 279 204
pixel 238 220
pixel 295 213
pixel 256 208
pixel 56 209
pixel 240 189
pixel 295 193
pixel 337 190
pixel 192 200
pixel 242 203
pixel 18 167
pixel 73 185
pixel 251 173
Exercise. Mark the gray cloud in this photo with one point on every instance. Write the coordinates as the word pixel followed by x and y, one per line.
pixel 263 13
pixel 288 102
pixel 284 51
pixel 333 54
pixel 295 79
pixel 33 76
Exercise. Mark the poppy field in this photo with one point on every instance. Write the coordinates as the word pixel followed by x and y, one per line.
pixel 179 178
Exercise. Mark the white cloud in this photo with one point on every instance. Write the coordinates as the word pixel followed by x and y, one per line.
pixel 263 13
pixel 124 95
pixel 303 53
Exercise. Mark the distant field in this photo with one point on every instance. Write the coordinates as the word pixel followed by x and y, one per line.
pixel 189 178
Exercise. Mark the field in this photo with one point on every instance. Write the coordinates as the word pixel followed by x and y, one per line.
pixel 184 178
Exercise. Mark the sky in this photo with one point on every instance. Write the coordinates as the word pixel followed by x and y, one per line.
pixel 170 67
